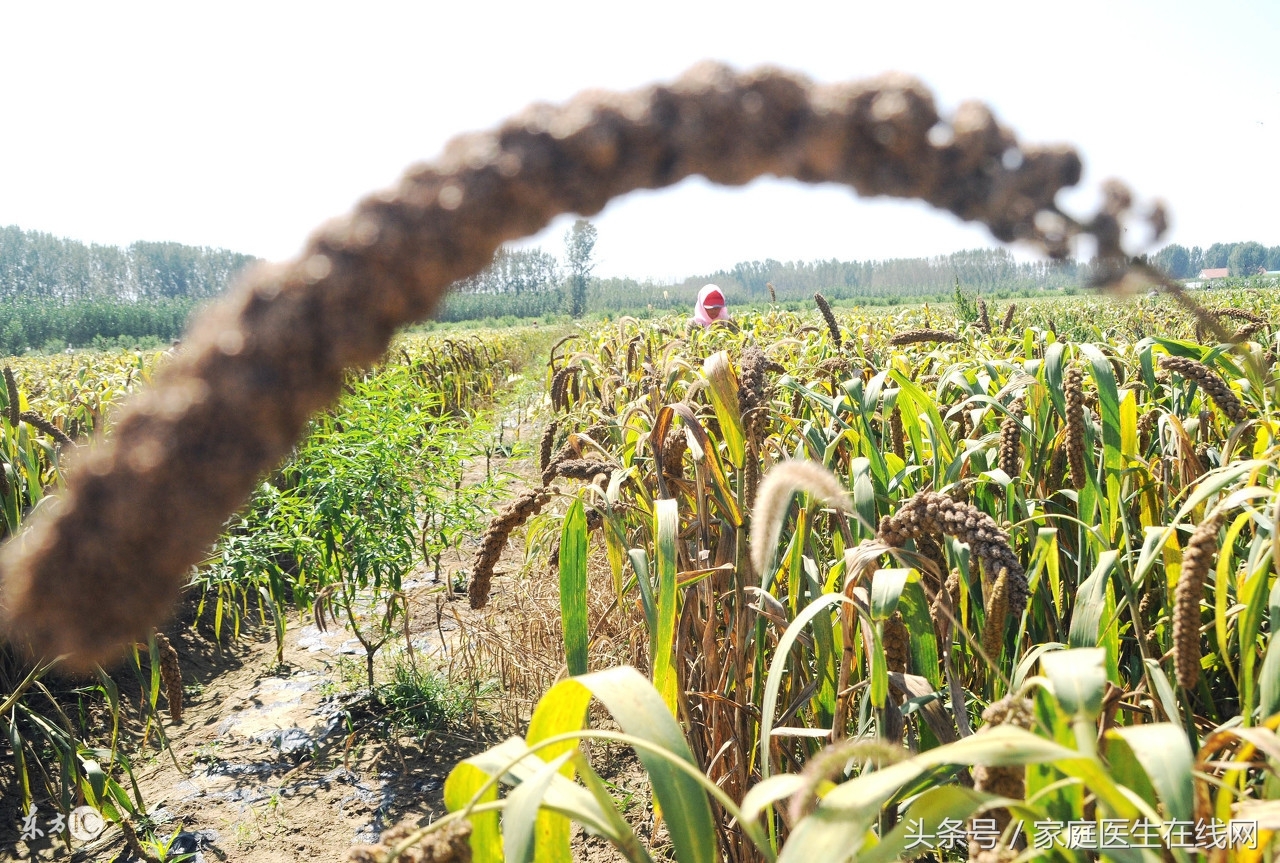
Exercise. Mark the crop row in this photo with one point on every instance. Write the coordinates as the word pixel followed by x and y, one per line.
pixel 372 493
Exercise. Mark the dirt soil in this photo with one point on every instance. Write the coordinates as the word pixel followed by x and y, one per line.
pixel 265 765
pixel 277 762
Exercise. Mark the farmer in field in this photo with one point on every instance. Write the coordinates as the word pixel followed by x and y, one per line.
pixel 710 306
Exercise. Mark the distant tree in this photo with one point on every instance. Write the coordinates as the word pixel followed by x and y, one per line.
pixel 165 269
pixel 518 271
pixel 1217 256
pixel 529 271
pixel 1273 258
pixel 1174 260
pixel 753 276
pixel 1197 261
pixel 1245 258
pixel 35 265
pixel 579 244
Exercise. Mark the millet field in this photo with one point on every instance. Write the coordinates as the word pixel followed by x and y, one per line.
pixel 965 581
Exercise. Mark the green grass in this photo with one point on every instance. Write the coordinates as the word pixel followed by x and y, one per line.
pixel 418 700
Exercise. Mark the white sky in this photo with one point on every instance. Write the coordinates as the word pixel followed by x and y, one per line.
pixel 246 125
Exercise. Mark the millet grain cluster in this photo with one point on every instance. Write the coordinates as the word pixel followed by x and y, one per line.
pixel 931 513
pixel 911 337
pixel 897 434
pixel 755 396
pixel 1210 382
pixel 829 316
pixel 494 540
pixel 170 675
pixel 1011 438
pixel 1197 558
pixel 451 844
pixel 1008 782
pixel 585 469
pixel 545 447
pixel 1075 443
pixel 1007 323
pixel 15 404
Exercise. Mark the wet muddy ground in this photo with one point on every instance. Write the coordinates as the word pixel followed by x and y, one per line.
pixel 280 762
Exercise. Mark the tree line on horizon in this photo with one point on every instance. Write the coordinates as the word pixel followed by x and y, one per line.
pixel 56 292
pixel 1242 259
pixel 37 265
pixel 530 282
pixel 61 291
